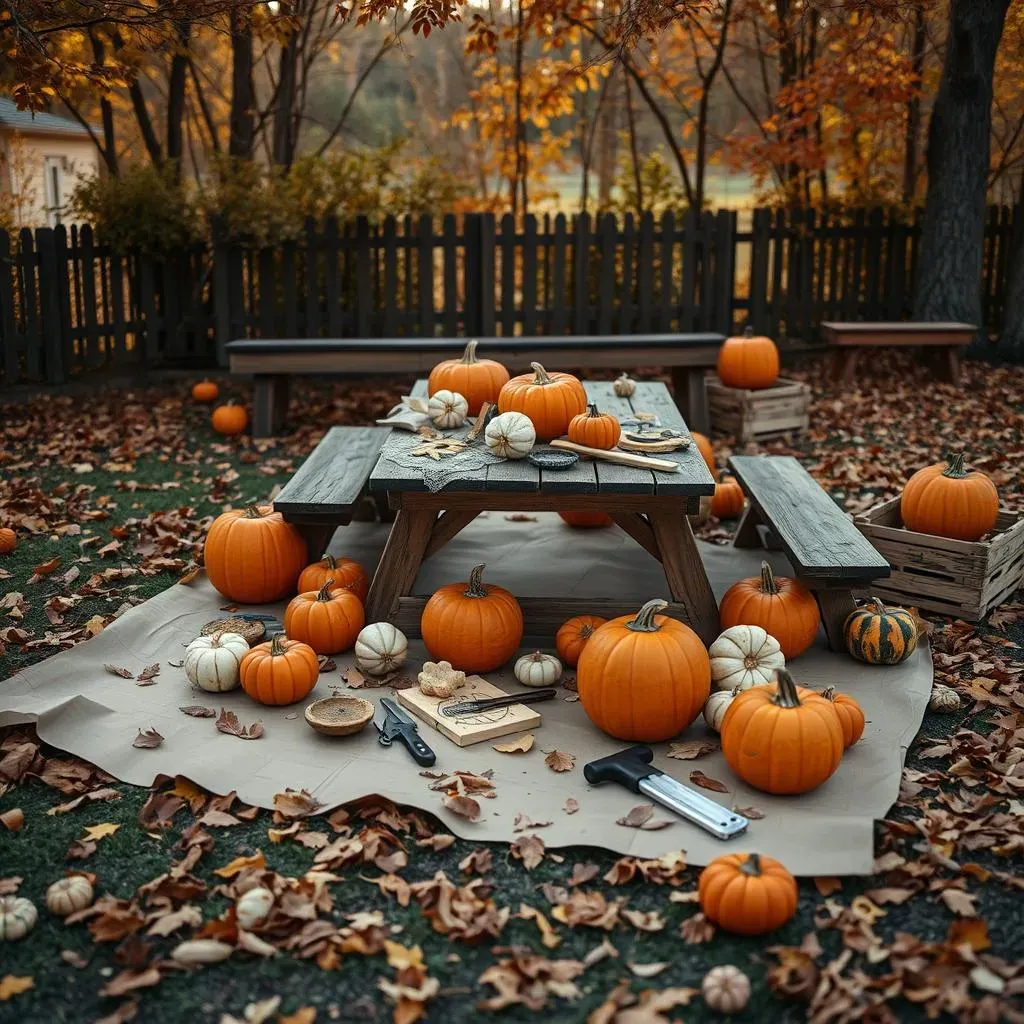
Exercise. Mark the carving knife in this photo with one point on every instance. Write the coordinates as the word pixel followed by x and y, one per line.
pixel 394 724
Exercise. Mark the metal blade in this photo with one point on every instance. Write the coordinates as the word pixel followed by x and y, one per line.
pixel 380 720
pixel 693 806
pixel 396 711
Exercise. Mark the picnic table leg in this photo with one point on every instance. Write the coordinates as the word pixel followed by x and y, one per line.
pixel 691 396
pixel 746 535
pixel 836 606
pixel 687 578
pixel 948 366
pixel 317 537
pixel 281 396
pixel 400 563
pixel 844 363
pixel 264 404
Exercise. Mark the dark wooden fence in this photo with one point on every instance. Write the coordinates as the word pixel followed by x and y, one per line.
pixel 69 304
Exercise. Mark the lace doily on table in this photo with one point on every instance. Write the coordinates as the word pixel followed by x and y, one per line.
pixel 396 455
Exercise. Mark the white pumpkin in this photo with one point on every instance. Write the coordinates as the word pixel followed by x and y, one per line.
pixel 511 435
pixel 252 907
pixel 380 648
pixel 744 656
pixel 18 917
pixel 726 989
pixel 716 706
pixel 69 895
pixel 447 409
pixel 623 386
pixel 944 699
pixel 538 669
pixel 201 951
pixel 211 662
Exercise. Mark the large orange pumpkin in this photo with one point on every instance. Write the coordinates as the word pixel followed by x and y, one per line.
pixel 728 500
pixel 747 893
pixel 950 501
pixel 328 620
pixel 205 391
pixel 572 637
pixel 280 671
pixel 8 540
pixel 782 738
pixel 643 677
pixel 706 451
pixel 476 626
pixel 550 400
pixel 587 520
pixel 346 574
pixel 229 419
pixel 477 380
pixel 595 429
pixel 851 715
pixel 253 556
pixel 784 608
pixel 748 362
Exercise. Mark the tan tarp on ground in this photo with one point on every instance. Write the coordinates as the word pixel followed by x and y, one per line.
pixel 82 709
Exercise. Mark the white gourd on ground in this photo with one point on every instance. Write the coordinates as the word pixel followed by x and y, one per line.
pixel 211 662
pixel 69 895
pixel 18 917
pixel 253 906
pixel 380 648
pixel 726 989
pixel 744 656
pixel 511 435
pixel 538 669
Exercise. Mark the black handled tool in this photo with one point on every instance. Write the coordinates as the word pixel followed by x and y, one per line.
pixel 474 707
pixel 394 724
pixel 632 768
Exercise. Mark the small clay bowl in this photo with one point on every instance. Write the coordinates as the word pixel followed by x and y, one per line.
pixel 251 629
pixel 339 716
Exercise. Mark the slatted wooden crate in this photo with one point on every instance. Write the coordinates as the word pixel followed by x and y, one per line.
pixel 964 579
pixel 758 415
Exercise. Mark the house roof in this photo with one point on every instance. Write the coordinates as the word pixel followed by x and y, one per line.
pixel 27 122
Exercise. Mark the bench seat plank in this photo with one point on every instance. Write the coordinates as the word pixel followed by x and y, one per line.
pixel 820 541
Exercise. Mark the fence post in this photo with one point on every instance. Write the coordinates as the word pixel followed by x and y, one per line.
pixel 222 290
pixel 725 245
pixel 8 327
pixel 53 290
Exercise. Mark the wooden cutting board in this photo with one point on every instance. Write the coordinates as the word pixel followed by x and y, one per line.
pixel 470 729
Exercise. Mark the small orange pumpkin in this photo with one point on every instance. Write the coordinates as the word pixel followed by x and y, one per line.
pixel 347 575
pixel 950 501
pixel 205 391
pixel 728 500
pixel 253 556
pixel 747 893
pixel 572 637
pixel 8 540
pixel 587 520
pixel 549 400
pixel 784 608
pixel 749 361
pixel 643 677
pixel 229 419
pixel 477 380
pixel 595 429
pixel 706 451
pixel 476 626
pixel 781 738
pixel 280 671
pixel 328 620
pixel 851 715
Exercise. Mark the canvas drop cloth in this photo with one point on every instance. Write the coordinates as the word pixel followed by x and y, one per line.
pixel 82 709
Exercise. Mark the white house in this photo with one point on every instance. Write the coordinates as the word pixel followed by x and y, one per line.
pixel 43 157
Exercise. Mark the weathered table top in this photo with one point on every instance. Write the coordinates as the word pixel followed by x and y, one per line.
pixel 693 478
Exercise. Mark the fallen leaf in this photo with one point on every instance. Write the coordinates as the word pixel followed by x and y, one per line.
pixel 74 958
pixel 827 885
pixel 706 782
pixel 464 806
pixel 750 812
pixel 93 796
pixel 130 981
pixel 641 817
pixel 101 831
pixel 521 745
pixel 228 722
pixel 986 980
pixel 124 673
pixel 558 761
pixel 582 873
pixel 148 674
pixel 355 680
pixel 303 1015
pixel 198 711
pixel 692 749
pixel 148 740
pixel 296 803
pixel 648 970
pixel 644 920
pixel 231 869
pixel 696 930
pixel 13 985
pixel 13 820
pixel 571 805
pixel 327 664
pixel 529 849
pixel 959 902
pixel 972 930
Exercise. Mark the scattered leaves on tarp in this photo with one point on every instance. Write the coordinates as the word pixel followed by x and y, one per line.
pixel 642 817
pixel 559 761
pixel 529 849
pixel 698 778
pixel 464 806
pixel 295 804
pixel 571 805
pixel 355 680
pixel 520 745
pixel 147 677
pixel 228 722
pixel 750 812
pixel 692 749
pixel 148 739
pixel 124 673
pixel 198 711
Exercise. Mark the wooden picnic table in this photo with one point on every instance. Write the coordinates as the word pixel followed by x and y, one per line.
pixel 651 507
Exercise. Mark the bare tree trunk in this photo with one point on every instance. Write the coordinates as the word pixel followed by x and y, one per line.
pixel 634 153
pixel 283 146
pixel 953 232
pixel 241 123
pixel 1011 338
pixel 914 109
pixel 519 181
pixel 109 148
pixel 177 88
pixel 607 148
pixel 707 81
pixel 145 122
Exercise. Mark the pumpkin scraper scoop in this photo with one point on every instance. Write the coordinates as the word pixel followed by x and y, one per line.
pixel 632 768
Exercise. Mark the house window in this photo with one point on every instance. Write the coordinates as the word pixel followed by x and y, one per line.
pixel 54 189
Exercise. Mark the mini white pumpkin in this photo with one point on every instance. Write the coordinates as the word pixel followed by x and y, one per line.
pixel 944 699
pixel 716 706
pixel 69 895
pixel 623 386
pixel 18 917
pixel 252 907
pixel 744 656
pixel 726 989
pixel 538 669
pixel 201 951
pixel 211 662
pixel 380 648
pixel 511 435
pixel 447 409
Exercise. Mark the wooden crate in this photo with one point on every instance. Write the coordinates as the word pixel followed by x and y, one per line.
pixel 758 415
pixel 965 579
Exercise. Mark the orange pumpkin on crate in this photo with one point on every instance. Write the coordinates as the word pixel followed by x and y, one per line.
pixel 280 671
pixel 727 502
pixel 783 607
pixel 346 574
pixel 477 380
pixel 229 419
pixel 253 556
pixel 549 400
pixel 572 637
pixel 328 620
pixel 948 500
pixel 595 429
pixel 205 391
pixel 706 451
pixel 750 362
pixel 587 520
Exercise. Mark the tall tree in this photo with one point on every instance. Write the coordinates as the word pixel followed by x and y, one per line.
pixel 241 125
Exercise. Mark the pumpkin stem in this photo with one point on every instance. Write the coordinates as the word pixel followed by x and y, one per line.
pixel 328 561
pixel 592 409
pixel 253 512
pixel 955 468
pixel 469 355
pixel 277 646
pixel 829 693
pixel 587 631
pixel 324 593
pixel 540 374
pixel 643 621
pixel 748 331
pixel 768 584
pixel 880 608
pixel 752 865
pixel 537 656
pixel 786 695
pixel 475 587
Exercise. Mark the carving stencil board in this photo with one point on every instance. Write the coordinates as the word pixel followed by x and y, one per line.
pixel 469 729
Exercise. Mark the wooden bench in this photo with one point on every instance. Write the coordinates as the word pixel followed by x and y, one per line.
pixel 273 361
pixel 829 555
pixel 939 342
pixel 329 488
